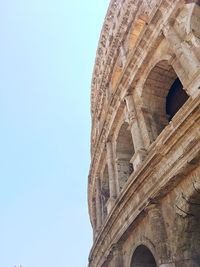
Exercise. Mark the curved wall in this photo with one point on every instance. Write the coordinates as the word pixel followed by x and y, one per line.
pixel 144 161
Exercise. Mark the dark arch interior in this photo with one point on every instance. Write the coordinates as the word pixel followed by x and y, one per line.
pixel 176 97
pixel 163 96
pixel 143 257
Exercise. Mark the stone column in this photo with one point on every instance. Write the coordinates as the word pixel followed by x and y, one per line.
pixel 138 143
pixel 98 203
pixel 159 235
pixel 185 55
pixel 113 186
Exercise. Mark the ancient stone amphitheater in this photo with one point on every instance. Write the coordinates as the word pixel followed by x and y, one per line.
pixel 144 180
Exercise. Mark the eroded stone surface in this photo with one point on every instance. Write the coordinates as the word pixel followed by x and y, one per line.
pixel 144 180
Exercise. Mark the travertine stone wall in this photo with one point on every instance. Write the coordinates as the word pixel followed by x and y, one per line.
pixel 144 180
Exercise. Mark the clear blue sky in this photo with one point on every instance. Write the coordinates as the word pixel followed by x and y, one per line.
pixel 47 52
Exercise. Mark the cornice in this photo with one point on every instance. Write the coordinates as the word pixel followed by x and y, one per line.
pixel 119 17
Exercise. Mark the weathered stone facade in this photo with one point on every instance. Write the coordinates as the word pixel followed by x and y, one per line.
pixel 144 180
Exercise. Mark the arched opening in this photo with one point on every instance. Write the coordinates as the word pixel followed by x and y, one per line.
pixel 124 153
pixel 188 246
pixel 105 192
pixel 176 97
pixel 163 96
pixel 142 257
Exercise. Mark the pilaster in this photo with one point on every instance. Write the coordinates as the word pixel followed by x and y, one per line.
pixel 159 234
pixel 188 60
pixel 117 256
pixel 113 185
pixel 98 204
pixel 138 143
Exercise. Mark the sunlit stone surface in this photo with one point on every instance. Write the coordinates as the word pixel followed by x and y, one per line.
pixel 144 180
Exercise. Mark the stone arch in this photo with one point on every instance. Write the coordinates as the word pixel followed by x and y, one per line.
pixel 188 245
pixel 160 90
pixel 124 154
pixel 143 257
pixel 105 191
pixel 142 241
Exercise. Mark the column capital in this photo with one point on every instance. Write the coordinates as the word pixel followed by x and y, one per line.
pixel 131 117
pixel 128 94
pixel 166 29
pixel 97 176
pixel 109 140
pixel 129 102
pixel 116 247
pixel 152 207
pixel 131 114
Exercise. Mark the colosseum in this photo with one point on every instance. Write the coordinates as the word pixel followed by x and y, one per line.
pixel 144 179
